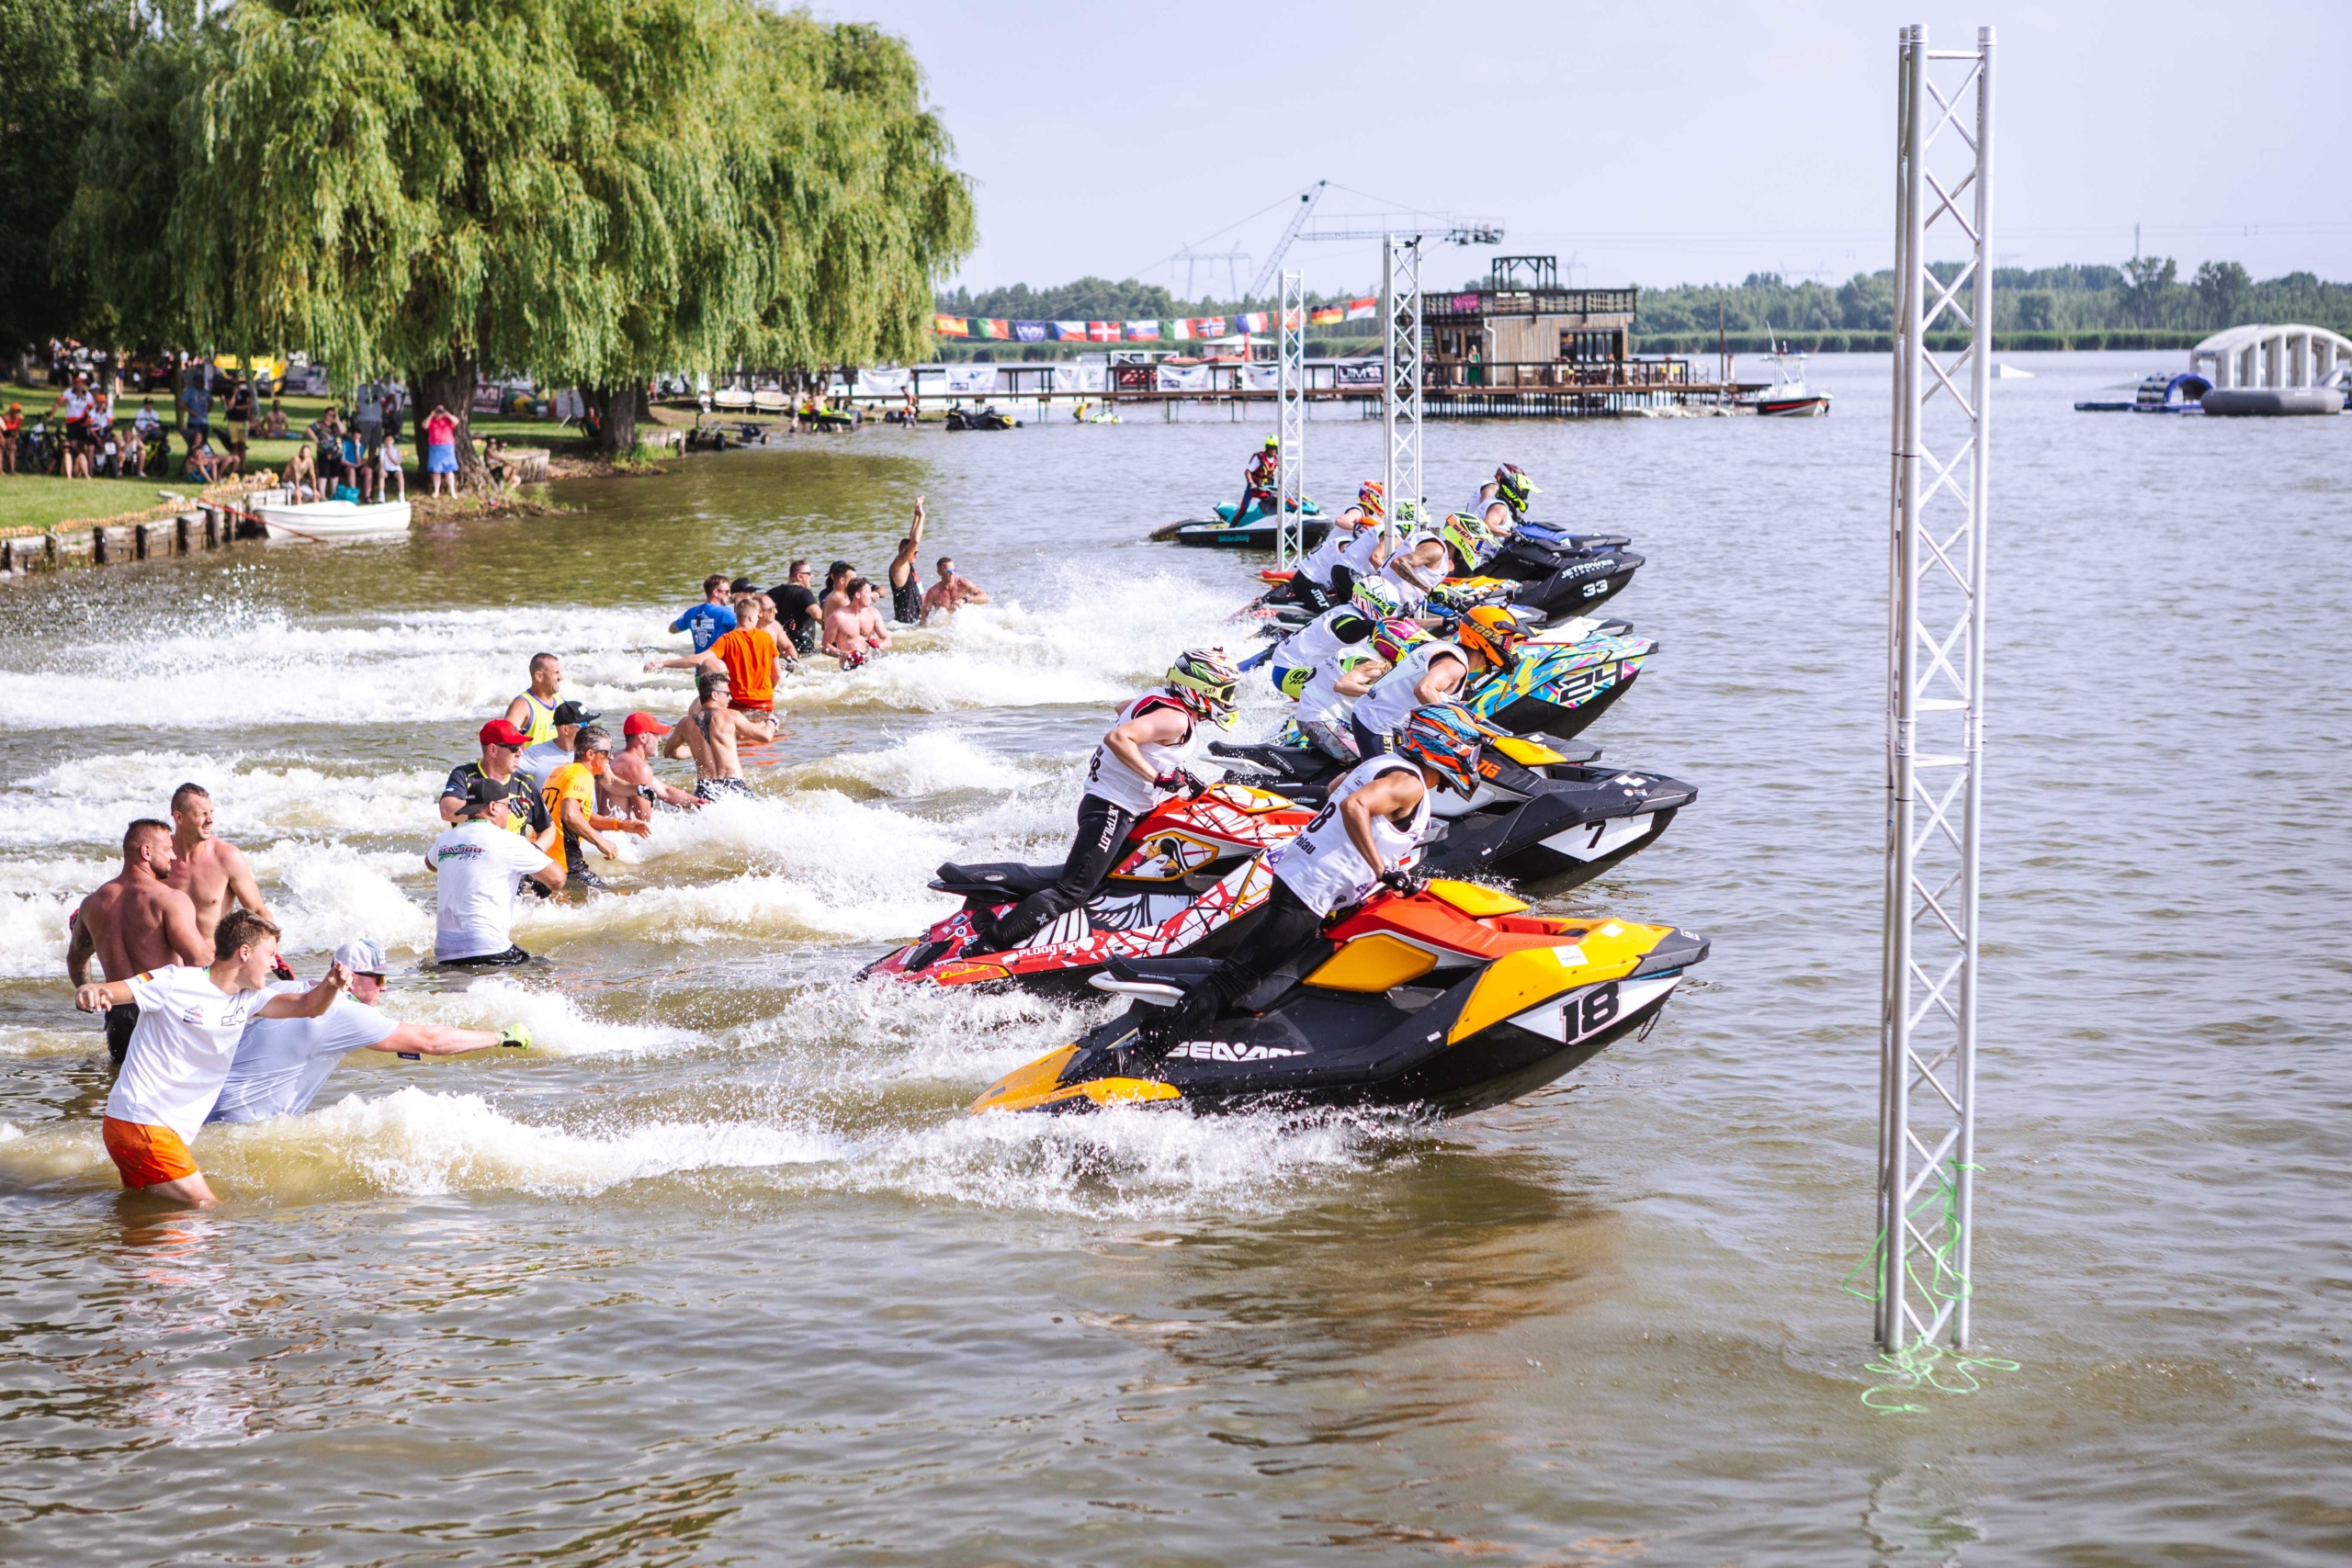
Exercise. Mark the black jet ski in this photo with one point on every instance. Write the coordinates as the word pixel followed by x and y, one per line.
pixel 1443 1001
pixel 1565 579
pixel 1544 818
pixel 981 418
pixel 1536 819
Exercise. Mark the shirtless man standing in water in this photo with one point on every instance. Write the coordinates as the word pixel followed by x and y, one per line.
pixel 209 870
pixel 711 733
pixel 854 633
pixel 133 924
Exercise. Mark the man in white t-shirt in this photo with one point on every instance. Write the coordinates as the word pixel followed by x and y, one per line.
pixel 282 1063
pixel 189 1022
pixel 478 864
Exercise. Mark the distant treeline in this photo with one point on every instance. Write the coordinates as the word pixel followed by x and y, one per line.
pixel 2059 306
pixel 2143 304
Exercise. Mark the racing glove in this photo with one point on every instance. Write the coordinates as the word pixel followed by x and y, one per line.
pixel 1181 780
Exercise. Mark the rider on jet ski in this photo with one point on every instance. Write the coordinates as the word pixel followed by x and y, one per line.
pixel 1350 552
pixel 1511 490
pixel 1138 765
pixel 1425 670
pixel 1259 478
pixel 1294 662
pixel 1367 836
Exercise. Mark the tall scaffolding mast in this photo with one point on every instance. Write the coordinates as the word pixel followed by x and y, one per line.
pixel 1935 683
pixel 1400 374
pixel 1289 520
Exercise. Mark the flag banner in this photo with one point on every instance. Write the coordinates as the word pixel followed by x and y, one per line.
pixel 1356 373
pixel 991 328
pixel 1081 377
pixel 1262 378
pixel 950 326
pixel 1326 315
pixel 1101 331
pixel 1068 332
pixel 1143 331
pixel 1210 326
pixel 1254 321
pixel 1183 329
pixel 976 381
pixel 1184 377
pixel 1363 309
pixel 1030 332
pixel 887 383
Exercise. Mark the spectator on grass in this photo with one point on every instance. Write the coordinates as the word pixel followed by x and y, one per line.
pixel 12 431
pixel 441 450
pixel 195 404
pixel 302 478
pixel 241 416
pixel 273 428
pixel 204 465
pixel 389 476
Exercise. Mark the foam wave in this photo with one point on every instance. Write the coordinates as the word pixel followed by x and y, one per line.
pixel 930 762
pixel 90 801
pixel 557 1022
pixel 419 1142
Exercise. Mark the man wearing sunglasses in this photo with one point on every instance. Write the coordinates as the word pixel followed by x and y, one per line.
pixel 282 1063
pixel 502 747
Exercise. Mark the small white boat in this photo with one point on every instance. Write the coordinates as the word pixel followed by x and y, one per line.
pixel 332 519
pixel 1789 397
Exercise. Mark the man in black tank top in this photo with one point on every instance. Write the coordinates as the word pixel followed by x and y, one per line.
pixel 906 584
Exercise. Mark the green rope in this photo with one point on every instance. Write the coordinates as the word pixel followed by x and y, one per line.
pixel 1933 1271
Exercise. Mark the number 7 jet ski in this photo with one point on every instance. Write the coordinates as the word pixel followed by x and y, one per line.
pixel 1447 1000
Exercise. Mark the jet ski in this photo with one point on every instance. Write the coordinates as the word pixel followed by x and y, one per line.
pixel 1537 818
pixel 1444 1001
pixel 1253 530
pixel 981 418
pixel 1547 819
pixel 1571 578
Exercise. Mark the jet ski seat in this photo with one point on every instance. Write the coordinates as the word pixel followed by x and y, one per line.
pixel 1009 878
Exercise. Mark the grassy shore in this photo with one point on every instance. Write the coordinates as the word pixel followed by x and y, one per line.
pixel 44 500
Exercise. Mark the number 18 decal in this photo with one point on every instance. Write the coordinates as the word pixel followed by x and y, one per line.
pixel 1592 1011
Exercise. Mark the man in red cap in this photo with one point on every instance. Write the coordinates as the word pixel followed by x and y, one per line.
pixel 501 744
pixel 632 790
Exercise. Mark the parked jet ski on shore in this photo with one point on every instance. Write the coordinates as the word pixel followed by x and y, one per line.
pixel 1442 1001
pixel 1190 879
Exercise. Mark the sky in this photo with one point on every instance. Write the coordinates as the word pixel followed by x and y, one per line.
pixel 1640 144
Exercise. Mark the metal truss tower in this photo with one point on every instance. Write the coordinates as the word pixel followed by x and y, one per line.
pixel 1935 688
pixel 1400 366
pixel 1289 337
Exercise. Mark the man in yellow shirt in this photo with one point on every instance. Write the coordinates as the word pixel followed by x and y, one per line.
pixel 571 797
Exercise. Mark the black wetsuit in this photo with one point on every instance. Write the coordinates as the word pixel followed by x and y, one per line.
pixel 1103 830
pixel 1287 928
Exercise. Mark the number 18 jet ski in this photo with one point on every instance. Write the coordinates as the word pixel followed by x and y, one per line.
pixel 1446 1000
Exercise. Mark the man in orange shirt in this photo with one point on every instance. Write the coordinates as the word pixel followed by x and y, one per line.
pixel 570 795
pixel 748 656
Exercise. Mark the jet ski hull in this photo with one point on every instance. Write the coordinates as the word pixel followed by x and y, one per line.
pixel 1513 1003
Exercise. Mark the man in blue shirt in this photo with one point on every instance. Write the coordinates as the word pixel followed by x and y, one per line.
pixel 711 620
pixel 279 1071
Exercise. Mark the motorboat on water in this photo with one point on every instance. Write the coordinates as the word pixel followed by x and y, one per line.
pixel 316 520
pixel 1251 530
pixel 1789 397
pixel 1440 1001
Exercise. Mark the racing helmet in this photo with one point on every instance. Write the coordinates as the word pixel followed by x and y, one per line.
pixel 1394 637
pixel 1273 443
pixel 1493 633
pixel 1513 487
pixel 1205 681
pixel 1465 536
pixel 1370 496
pixel 1442 739
pixel 1377 597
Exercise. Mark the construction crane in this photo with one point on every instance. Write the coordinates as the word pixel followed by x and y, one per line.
pixel 1306 200
pixel 1458 231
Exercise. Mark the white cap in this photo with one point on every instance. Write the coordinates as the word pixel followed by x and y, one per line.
pixel 361 956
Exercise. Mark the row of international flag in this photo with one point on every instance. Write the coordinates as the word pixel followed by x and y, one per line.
pixel 1144 331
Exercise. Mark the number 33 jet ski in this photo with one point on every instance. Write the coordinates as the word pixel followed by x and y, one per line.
pixel 1446 1000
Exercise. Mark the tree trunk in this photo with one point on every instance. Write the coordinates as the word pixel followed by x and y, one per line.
pixel 616 410
pixel 451 385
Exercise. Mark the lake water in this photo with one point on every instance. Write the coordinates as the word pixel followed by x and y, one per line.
pixel 721 1274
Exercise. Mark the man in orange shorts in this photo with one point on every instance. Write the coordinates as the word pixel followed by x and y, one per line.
pixel 190 1020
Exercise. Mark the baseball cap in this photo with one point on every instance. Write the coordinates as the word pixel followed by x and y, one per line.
pixel 742 585
pixel 639 723
pixel 573 713
pixel 498 732
pixel 361 956
pixel 486 791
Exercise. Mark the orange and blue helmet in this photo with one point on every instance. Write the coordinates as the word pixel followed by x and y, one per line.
pixel 1445 740
pixel 1370 496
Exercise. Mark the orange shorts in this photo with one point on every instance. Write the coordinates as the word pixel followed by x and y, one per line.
pixel 146 1153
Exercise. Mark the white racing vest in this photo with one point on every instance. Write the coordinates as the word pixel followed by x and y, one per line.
pixel 1324 867
pixel 1319 639
pixel 1385 708
pixel 1113 780
pixel 1356 554
pixel 1319 562
pixel 1322 702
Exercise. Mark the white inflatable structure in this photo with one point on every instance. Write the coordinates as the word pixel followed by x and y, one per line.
pixel 2264 369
